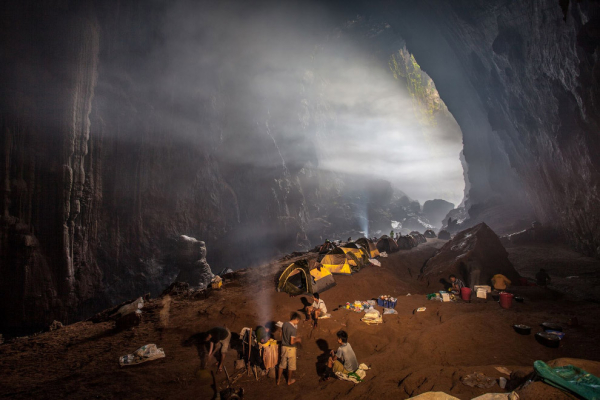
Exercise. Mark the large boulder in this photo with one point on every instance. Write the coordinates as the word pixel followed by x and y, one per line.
pixel 191 259
pixel 474 255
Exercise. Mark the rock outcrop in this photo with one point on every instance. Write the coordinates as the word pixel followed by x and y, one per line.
pixel 436 210
pixel 474 255
pixel 193 268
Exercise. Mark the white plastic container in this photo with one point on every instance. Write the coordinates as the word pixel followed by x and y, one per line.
pixel 488 289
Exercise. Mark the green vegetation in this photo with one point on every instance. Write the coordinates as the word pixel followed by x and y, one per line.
pixel 426 99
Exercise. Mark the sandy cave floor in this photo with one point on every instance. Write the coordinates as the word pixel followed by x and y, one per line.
pixel 408 354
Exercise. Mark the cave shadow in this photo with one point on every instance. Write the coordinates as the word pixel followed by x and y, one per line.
pixel 202 347
pixel 198 340
pixel 305 303
pixel 445 283
pixel 321 364
pixel 101 335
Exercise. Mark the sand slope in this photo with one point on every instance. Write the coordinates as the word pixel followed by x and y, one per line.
pixel 409 354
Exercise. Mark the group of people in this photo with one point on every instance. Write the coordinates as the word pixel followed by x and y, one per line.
pixel 217 341
pixel 499 282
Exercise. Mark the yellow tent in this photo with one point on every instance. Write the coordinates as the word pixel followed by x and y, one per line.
pixel 359 252
pixel 345 260
pixel 337 261
pixel 293 279
pixel 368 244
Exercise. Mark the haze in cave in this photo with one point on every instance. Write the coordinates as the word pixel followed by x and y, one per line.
pixel 176 172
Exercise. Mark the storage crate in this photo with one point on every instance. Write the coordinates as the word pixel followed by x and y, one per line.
pixel 386 303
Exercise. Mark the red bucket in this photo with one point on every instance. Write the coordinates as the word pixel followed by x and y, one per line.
pixel 506 299
pixel 465 294
pixel 523 282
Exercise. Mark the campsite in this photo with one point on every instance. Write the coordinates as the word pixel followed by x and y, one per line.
pixel 410 353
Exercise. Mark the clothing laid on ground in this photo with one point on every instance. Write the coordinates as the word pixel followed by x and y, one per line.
pixel 288 358
pixel 320 305
pixel 500 282
pixel 346 354
pixel 287 332
pixel 221 337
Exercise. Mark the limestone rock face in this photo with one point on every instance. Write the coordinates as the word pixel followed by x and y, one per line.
pixel 436 210
pixel 522 79
pixel 192 264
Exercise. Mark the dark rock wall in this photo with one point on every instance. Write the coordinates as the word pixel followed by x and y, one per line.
pixel 101 173
pixel 522 80
pixel 49 73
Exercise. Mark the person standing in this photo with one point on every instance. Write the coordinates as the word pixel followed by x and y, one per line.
pixel 542 277
pixel 289 339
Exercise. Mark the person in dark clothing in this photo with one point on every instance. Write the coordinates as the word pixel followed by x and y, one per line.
pixel 263 334
pixel 218 339
pixel 542 277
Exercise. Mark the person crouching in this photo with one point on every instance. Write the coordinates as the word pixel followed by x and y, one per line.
pixel 317 309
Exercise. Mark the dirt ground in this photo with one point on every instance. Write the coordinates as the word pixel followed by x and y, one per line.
pixel 410 353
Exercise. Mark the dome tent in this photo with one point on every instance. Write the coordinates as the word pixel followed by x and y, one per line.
pixel 305 276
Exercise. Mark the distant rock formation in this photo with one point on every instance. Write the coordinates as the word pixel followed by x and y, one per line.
pixel 191 259
pixel 436 210
pixel 444 235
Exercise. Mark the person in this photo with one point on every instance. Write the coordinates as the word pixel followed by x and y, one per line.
pixel 288 347
pixel 349 239
pixel 348 362
pixel 392 234
pixel 542 277
pixel 263 334
pixel 317 308
pixel 218 338
pixel 457 284
pixel 500 282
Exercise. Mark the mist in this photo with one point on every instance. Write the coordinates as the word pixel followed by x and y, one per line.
pixel 315 89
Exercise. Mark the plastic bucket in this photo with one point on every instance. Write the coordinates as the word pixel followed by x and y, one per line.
pixel 465 294
pixel 506 300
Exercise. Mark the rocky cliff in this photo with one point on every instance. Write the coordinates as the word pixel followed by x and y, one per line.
pixel 522 80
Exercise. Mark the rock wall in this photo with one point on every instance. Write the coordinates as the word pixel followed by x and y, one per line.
pixel 101 173
pixel 523 81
